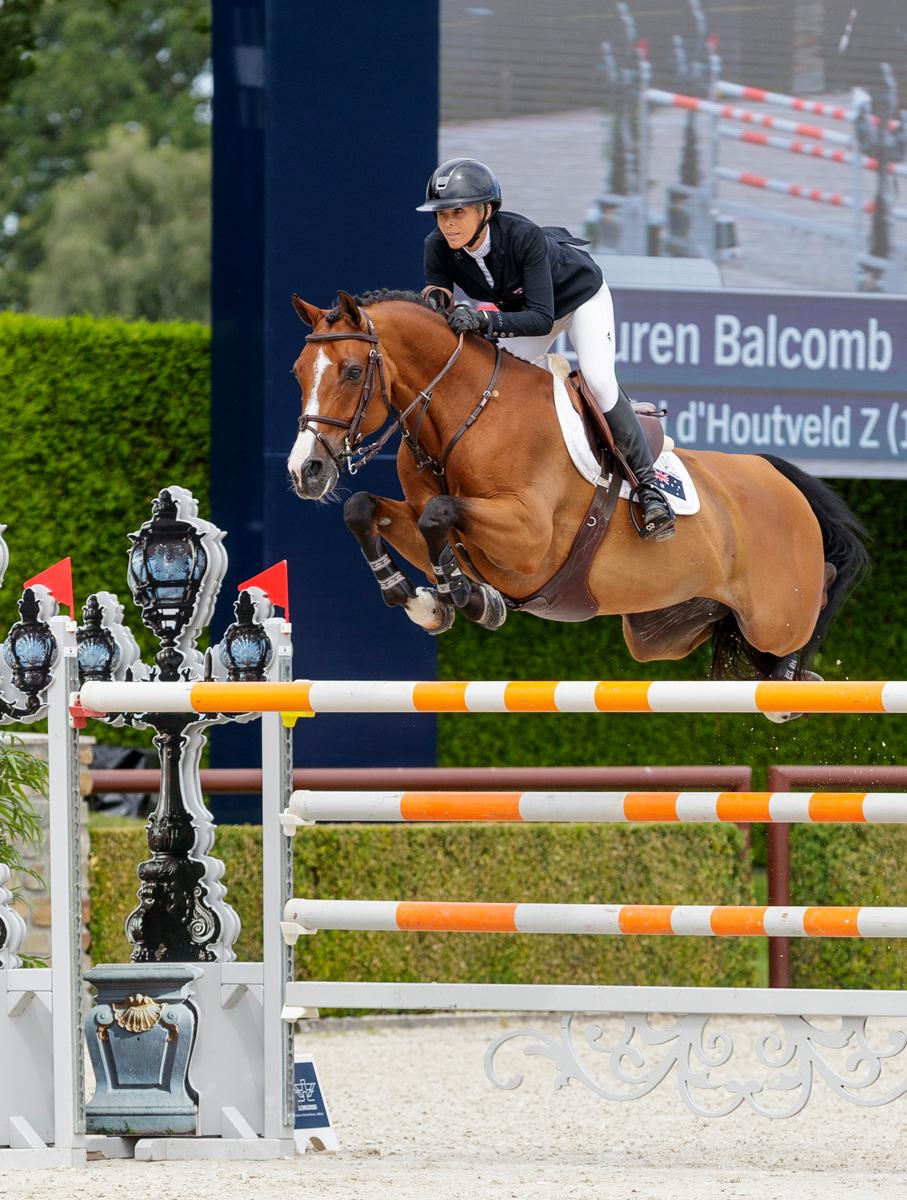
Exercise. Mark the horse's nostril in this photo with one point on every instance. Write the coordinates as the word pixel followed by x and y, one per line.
pixel 313 468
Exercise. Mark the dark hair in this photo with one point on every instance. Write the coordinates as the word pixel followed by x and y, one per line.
pixel 378 296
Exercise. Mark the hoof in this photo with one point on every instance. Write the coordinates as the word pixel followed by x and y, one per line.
pixel 783 718
pixel 494 613
pixel 442 611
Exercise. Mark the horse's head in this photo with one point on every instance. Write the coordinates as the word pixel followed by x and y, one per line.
pixel 344 396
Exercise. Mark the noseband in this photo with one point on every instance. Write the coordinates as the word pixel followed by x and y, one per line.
pixel 353 455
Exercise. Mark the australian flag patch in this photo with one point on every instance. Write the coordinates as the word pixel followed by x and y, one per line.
pixel 670 484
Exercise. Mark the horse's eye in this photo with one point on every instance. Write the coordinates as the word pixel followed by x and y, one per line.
pixel 353 372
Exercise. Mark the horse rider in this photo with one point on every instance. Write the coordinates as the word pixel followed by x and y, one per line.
pixel 542 285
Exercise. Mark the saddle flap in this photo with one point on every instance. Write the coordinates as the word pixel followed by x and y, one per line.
pixel 598 431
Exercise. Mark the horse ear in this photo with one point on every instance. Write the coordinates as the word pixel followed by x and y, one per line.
pixel 350 310
pixel 309 313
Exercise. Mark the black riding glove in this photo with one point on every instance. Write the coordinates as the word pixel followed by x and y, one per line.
pixel 464 319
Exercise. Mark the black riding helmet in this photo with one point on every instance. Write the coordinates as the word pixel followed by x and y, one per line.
pixel 461 181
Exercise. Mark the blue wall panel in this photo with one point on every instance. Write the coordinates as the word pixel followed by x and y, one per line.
pixel 319 195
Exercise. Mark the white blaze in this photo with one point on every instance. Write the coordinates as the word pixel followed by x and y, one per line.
pixel 304 446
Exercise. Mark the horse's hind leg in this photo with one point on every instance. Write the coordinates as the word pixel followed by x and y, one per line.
pixel 479 602
pixel 364 514
pixel 789 666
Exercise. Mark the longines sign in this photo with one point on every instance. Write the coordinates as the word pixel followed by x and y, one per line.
pixel 815 378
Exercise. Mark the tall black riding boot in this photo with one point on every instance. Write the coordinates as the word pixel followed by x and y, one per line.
pixel 657 517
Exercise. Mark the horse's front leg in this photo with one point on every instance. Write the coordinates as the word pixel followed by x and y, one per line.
pixel 479 602
pixel 364 515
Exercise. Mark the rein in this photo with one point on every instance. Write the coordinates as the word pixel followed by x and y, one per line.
pixel 353 456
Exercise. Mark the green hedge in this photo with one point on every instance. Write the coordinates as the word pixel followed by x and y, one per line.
pixel 848 865
pixel 569 864
pixel 96 417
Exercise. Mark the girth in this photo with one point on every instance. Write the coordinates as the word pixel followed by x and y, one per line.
pixel 566 595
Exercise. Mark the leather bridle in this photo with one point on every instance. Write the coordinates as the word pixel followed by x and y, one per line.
pixel 353 455
pixel 353 439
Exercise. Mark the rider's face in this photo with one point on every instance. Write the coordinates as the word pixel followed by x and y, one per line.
pixel 458 225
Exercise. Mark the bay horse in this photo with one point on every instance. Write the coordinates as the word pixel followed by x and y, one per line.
pixel 493 501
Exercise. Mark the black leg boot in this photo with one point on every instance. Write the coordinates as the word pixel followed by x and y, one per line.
pixel 657 516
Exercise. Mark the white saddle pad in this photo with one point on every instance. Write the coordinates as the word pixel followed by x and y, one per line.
pixel 673 477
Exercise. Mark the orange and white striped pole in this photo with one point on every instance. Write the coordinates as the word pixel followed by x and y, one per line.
pixel 818 108
pixel 799 191
pixel 500 696
pixel 774 141
pixel 307 807
pixel 680 920
pixel 731 112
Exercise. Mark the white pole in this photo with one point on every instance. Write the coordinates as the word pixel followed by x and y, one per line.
pixel 857 202
pixel 645 74
pixel 277 888
pixel 66 893
pixel 732 112
pixel 712 152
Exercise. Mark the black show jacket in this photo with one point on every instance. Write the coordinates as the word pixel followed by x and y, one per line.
pixel 540 274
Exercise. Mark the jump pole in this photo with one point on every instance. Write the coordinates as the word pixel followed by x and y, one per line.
pixel 413 807
pixel 731 112
pixel 533 696
pixel 800 191
pixel 680 920
pixel 773 141
pixel 816 108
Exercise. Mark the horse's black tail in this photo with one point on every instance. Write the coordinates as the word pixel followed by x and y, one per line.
pixel 844 541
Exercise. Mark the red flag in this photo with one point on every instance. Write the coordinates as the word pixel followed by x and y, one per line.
pixel 58 581
pixel 274 582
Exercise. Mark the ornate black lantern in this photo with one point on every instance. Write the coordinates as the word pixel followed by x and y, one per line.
pixel 30 651
pixel 99 654
pixel 167 566
pixel 246 649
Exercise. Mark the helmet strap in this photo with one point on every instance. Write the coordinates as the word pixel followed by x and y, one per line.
pixel 480 229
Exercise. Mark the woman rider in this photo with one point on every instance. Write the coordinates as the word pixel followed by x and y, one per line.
pixel 543 285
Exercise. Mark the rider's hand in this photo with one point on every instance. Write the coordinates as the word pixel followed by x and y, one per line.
pixel 464 319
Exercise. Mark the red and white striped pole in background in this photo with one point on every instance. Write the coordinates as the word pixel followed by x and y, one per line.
pixel 731 112
pixel 800 191
pixel 755 137
pixel 817 108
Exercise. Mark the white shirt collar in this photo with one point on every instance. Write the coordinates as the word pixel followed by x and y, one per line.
pixel 482 250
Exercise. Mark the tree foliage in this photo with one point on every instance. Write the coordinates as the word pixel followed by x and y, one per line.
pixel 96 64
pixel 18 30
pixel 129 237
pixel 21 776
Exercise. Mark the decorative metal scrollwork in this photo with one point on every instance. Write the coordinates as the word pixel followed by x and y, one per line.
pixel 646 1054
pixel 176 566
pixel 12 927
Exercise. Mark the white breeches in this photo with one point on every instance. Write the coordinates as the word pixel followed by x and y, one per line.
pixel 591 330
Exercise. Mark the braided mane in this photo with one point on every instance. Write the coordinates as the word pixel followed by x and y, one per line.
pixel 377 297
